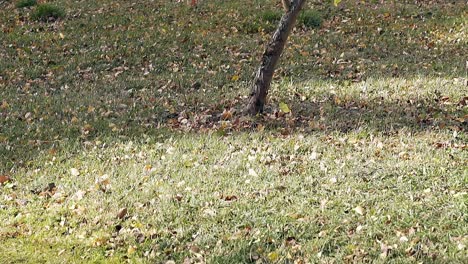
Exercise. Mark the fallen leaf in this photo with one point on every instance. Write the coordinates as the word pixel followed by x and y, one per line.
pixel 51 187
pixel 79 195
pixel 178 197
pixel 226 115
pixel 273 256
pixel 4 178
pixel 194 249
pixel 122 213
pixel 131 249
pixel 385 250
pixel 230 198
pixel 74 172
pixel 403 155
pixel 252 173
pixel 290 241
pixel 313 156
pixel 4 105
pixel 209 212
pixel 461 246
pixel 359 210
pixel 284 107
pixel 260 127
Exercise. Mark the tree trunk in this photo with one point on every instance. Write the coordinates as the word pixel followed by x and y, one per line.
pixel 270 58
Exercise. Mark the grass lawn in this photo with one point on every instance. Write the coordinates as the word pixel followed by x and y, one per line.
pixel 121 138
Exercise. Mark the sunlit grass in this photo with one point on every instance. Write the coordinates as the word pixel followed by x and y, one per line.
pixel 120 105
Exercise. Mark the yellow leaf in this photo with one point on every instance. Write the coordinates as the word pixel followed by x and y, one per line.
pixel 273 256
pixel 87 127
pixel 336 2
pixel 131 250
pixel 284 107
pixel 235 78
pixel 137 224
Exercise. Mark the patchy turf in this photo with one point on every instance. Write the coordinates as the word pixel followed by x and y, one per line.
pixel 120 138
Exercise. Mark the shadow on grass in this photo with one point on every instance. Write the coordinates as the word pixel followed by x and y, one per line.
pixel 414 40
pixel 332 113
pixel 378 115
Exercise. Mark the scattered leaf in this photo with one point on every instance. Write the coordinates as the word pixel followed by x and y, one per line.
pixel 230 198
pixel 131 250
pixel 273 256
pixel 4 105
pixel 313 156
pixel 227 114
pixel 359 210
pixel 74 172
pixel 4 179
pixel 178 197
pixel 385 250
pixel 79 195
pixel 252 173
pixel 284 107
pixel 194 249
pixel 122 213
pixel 209 212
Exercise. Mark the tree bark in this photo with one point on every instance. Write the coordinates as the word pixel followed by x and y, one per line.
pixel 270 58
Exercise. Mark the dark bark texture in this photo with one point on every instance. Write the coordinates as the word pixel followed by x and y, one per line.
pixel 270 58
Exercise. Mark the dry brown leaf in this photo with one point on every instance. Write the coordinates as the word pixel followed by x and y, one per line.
pixel 230 198
pixel 122 213
pixel 4 179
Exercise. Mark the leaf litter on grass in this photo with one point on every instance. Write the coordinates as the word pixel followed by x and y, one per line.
pixel 374 147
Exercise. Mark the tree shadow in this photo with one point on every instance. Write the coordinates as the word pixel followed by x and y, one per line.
pixel 347 114
pixel 332 112
pixel 328 112
pixel 116 100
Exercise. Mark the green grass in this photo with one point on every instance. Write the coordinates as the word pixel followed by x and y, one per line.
pixel 310 19
pixel 120 105
pixel 25 3
pixel 47 12
pixel 271 16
